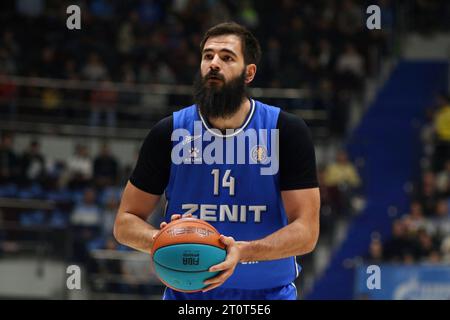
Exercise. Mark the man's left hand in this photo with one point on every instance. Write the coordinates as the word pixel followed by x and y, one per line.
pixel 227 267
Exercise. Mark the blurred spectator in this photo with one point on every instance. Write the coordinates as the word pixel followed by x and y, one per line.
pixel 335 205
pixel 328 200
pixel 48 65
pixel 147 73
pixel 445 250
pixel 7 62
pixel 9 43
pixel 326 99
pixel 128 99
pixel 74 106
pixel 248 15
pixel 273 55
pixel 8 94
pixel 220 13
pixel 350 69
pixel 106 168
pixel 127 169
pixel 326 55
pixel 427 15
pixel 164 74
pixel 136 274
pixel 442 129
pixel 9 161
pixel 340 113
pixel 443 180
pixel 79 168
pixel 350 61
pixel 426 249
pixel 415 219
pixel 342 173
pixel 108 271
pixel 297 32
pixel 70 70
pixel 104 100
pixel 85 221
pixel 400 248
pixel 125 35
pixel 87 213
pixel 33 164
pixel 441 221
pixel 349 18
pixel 109 216
pixel 189 69
pixel 342 181
pixel 56 174
pixel 94 69
pixel 51 101
pixel 375 252
pixel 427 193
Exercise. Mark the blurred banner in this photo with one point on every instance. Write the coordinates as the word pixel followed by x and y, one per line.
pixel 405 283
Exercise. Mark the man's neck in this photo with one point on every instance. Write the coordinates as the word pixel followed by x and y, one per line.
pixel 236 120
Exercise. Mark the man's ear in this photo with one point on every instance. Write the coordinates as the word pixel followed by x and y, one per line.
pixel 250 73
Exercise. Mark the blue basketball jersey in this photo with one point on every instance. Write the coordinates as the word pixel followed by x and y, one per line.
pixel 233 194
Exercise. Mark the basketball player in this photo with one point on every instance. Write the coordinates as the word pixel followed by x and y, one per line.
pixel 265 219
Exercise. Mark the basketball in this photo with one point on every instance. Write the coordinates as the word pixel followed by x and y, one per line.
pixel 183 252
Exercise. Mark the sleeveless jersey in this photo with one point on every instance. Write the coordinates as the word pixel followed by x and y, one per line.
pixel 232 194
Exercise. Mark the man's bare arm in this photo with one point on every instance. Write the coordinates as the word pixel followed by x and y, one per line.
pixel 131 227
pixel 297 238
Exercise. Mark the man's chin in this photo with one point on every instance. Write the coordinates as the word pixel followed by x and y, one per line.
pixel 214 83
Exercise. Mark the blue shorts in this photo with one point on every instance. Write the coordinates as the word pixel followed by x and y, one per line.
pixel 287 292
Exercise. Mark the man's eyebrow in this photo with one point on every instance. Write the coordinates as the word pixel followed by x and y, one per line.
pixel 224 49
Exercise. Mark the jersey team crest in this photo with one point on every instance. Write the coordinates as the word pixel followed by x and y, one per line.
pixel 259 154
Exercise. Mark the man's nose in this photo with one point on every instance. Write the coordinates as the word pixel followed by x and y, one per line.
pixel 215 63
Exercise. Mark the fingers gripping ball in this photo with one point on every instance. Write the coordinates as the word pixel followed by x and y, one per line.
pixel 184 250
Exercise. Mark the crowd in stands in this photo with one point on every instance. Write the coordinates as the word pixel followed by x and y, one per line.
pixel 321 46
pixel 423 233
pixel 85 191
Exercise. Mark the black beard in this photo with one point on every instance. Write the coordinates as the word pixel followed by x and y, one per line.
pixel 216 101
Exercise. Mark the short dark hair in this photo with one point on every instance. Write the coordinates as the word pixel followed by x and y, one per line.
pixel 250 45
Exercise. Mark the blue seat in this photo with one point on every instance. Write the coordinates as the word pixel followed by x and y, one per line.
pixel 32 218
pixel 59 219
pixel 8 190
pixel 77 196
pixel 96 244
pixel 109 192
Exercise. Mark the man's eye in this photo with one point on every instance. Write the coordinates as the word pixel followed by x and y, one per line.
pixel 207 57
pixel 227 58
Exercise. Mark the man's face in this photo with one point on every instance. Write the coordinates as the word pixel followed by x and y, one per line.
pixel 35 148
pixel 223 57
pixel 220 86
pixel 105 151
pixel 341 157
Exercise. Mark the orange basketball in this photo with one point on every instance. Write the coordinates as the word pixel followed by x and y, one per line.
pixel 183 252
